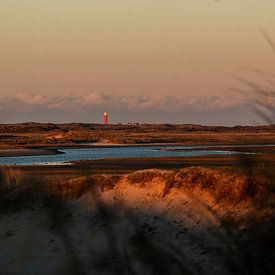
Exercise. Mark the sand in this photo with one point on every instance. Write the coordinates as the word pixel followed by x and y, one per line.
pixel 134 226
pixel 27 152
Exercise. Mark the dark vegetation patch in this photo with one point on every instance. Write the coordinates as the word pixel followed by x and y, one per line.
pixel 142 177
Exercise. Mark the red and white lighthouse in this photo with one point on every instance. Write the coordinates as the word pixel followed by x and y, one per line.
pixel 105 118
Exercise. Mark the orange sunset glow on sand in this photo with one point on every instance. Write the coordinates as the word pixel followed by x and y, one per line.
pixel 137 137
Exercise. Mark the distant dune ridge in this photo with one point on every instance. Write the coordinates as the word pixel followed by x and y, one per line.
pixel 41 127
pixel 29 135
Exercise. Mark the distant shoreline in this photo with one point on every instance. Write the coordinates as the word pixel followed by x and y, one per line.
pixel 42 151
pixel 28 152
pixel 36 151
pixel 253 148
pixel 44 136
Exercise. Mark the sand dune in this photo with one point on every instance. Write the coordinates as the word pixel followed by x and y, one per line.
pixel 147 222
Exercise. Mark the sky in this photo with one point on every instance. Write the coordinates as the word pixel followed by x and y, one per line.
pixel 140 60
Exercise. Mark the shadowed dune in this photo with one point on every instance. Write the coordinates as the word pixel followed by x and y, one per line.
pixel 189 221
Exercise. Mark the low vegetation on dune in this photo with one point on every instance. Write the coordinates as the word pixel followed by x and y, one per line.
pixel 224 186
pixel 190 221
pixel 26 135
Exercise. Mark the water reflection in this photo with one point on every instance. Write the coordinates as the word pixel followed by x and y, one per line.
pixel 73 155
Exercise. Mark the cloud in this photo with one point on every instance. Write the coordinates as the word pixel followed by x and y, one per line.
pixel 101 100
pixel 33 99
pixel 169 108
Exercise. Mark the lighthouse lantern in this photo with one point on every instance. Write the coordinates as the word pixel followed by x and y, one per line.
pixel 105 118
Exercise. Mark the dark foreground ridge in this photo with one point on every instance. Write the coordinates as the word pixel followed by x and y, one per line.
pixel 188 221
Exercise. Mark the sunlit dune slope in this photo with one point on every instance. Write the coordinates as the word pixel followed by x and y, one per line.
pixel 150 221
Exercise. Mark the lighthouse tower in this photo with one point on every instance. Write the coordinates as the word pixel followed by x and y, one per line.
pixel 105 118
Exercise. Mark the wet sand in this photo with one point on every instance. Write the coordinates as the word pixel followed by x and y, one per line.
pixel 28 152
pixel 125 166
pixel 264 155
